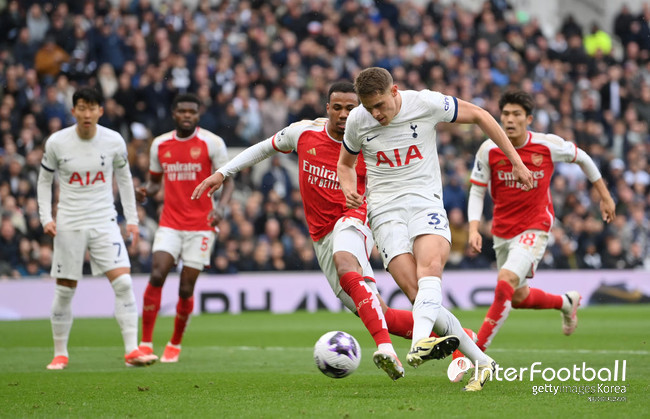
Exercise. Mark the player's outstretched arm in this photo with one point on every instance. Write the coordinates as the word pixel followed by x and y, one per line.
pixel 469 113
pixel 348 178
pixel 249 157
pixel 151 188
pixel 133 231
pixel 475 239
pixel 211 184
pixel 474 212
pixel 607 205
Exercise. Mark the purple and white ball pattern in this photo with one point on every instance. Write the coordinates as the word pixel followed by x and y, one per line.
pixel 337 354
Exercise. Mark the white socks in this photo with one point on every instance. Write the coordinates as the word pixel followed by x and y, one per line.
pixel 426 307
pixel 448 324
pixel 126 311
pixel 61 318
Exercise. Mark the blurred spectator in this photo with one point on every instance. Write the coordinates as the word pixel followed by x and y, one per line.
pixel 48 59
pixel 276 179
pixel 259 66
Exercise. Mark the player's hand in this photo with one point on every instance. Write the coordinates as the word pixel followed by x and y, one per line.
pixel 212 183
pixel 608 209
pixel 50 228
pixel 215 216
pixel 523 176
pixel 353 199
pixel 141 194
pixel 475 241
pixel 133 231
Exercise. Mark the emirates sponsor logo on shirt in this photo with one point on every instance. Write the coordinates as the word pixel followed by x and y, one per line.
pixel 321 176
pixel 195 152
pixel 537 159
pixel 509 181
pixel 181 171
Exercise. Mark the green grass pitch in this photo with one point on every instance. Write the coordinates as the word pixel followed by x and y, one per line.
pixel 259 365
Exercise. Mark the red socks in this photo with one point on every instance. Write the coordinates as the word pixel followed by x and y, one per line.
pixel 496 315
pixel 184 308
pixel 150 307
pixel 399 322
pixel 540 299
pixel 368 307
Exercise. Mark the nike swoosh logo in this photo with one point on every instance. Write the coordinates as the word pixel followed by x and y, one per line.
pixel 372 138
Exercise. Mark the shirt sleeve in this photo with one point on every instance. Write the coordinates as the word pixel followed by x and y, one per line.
pixel 481 172
pixel 561 150
pixel 286 140
pixel 125 183
pixel 250 156
pixel 154 161
pixel 44 184
pixel 219 156
pixel 443 108
pixel 351 135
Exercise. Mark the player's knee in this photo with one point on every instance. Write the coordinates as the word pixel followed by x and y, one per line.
pixel 122 284
pixel 509 277
pixel 157 278
pixel 346 262
pixel 519 296
pixel 185 291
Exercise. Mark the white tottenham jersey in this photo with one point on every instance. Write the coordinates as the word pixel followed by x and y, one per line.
pixel 401 158
pixel 85 169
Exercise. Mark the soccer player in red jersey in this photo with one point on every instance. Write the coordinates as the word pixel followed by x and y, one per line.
pixel 182 157
pixel 522 220
pixel 342 240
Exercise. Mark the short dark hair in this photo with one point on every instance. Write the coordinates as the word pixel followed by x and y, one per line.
pixel 518 97
pixel 185 97
pixel 340 86
pixel 89 95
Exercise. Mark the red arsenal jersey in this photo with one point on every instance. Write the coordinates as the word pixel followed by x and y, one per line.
pixel 185 162
pixel 318 155
pixel 514 209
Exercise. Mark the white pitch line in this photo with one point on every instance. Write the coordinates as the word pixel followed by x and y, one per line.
pixel 302 349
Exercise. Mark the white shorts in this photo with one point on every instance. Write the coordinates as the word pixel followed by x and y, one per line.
pixel 521 254
pixel 351 235
pixel 396 229
pixel 194 247
pixel 104 244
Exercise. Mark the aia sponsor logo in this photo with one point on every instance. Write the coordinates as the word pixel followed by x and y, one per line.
pixel 399 158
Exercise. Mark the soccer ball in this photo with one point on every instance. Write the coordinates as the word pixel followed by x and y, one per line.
pixel 337 354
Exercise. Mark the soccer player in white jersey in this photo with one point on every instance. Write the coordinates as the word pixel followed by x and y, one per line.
pixel 522 220
pixel 86 156
pixel 183 157
pixel 395 131
pixel 342 241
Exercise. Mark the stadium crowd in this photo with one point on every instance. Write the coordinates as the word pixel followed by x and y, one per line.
pixel 259 65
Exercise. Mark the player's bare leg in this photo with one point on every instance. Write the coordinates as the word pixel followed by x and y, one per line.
pixel 184 309
pixel 162 263
pixel 369 309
